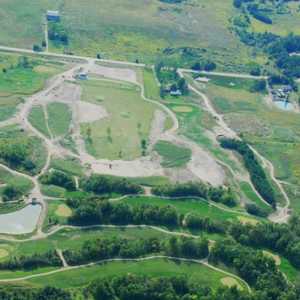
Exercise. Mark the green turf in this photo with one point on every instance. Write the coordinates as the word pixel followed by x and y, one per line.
pixel 68 165
pixel 155 268
pixel 59 118
pixel 252 196
pixel 173 156
pixel 22 183
pixel 53 191
pixel 274 133
pixel 120 135
pixel 199 207
pixel 37 120
pixel 151 85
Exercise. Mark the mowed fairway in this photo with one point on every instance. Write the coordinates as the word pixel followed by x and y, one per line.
pixel 118 136
pixel 196 273
pixel 185 206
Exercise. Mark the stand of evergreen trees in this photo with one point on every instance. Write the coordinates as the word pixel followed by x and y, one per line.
pixel 280 238
pixel 101 184
pixel 108 248
pixel 134 287
pixel 194 189
pixel 257 173
pixel 48 259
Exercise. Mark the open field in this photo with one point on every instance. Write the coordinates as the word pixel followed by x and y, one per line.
pixel 197 206
pixel 30 146
pixel 37 120
pixel 118 136
pixel 283 24
pixel 21 183
pixel 197 273
pixel 173 156
pixel 20 78
pixel 274 133
pixel 59 118
pixel 130 30
pixel 67 165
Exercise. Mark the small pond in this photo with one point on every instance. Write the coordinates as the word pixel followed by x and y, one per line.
pixel 284 105
pixel 21 221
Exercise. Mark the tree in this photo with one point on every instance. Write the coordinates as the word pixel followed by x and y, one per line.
pixel 36 48
pixel 182 86
pixel 10 193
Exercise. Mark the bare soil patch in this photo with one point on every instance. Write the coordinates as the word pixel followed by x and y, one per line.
pixel 63 211
pixel 114 73
pixel 276 258
pixel 230 282
pixel 89 112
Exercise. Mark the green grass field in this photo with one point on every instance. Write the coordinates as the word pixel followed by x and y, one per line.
pixel 155 268
pixel 252 196
pixel 131 29
pixel 59 118
pixel 67 165
pixel 37 120
pixel 199 207
pixel 33 146
pixel 18 82
pixel 22 183
pixel 274 133
pixel 120 135
pixel 173 156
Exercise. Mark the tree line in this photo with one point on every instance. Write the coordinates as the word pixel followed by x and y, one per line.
pixel 281 238
pixel 257 173
pixel 259 270
pixel 29 262
pixel 108 248
pixel 137 287
pixel 195 189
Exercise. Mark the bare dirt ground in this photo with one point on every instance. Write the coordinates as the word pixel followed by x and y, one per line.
pixel 89 112
pixel 122 74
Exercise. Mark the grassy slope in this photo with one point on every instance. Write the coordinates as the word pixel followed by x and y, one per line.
pixel 59 118
pixel 201 208
pixel 173 156
pixel 37 120
pixel 154 268
pixel 128 123
pixel 273 132
pixel 128 29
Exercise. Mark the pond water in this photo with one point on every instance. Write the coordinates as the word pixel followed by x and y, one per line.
pixel 284 105
pixel 21 221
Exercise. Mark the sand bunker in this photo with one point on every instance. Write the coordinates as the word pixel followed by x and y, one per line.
pixel 114 73
pixel 245 220
pixel 230 282
pixel 63 211
pixel 3 253
pixel 89 112
pixel 274 256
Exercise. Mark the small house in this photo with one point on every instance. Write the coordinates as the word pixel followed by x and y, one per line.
pixel 53 15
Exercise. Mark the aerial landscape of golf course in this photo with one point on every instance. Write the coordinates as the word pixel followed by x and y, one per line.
pixel 150 149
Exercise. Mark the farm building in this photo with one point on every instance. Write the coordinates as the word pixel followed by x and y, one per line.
pixel 53 15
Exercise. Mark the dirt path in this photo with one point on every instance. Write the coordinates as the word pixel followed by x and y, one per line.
pixel 62 258
pixel 282 213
